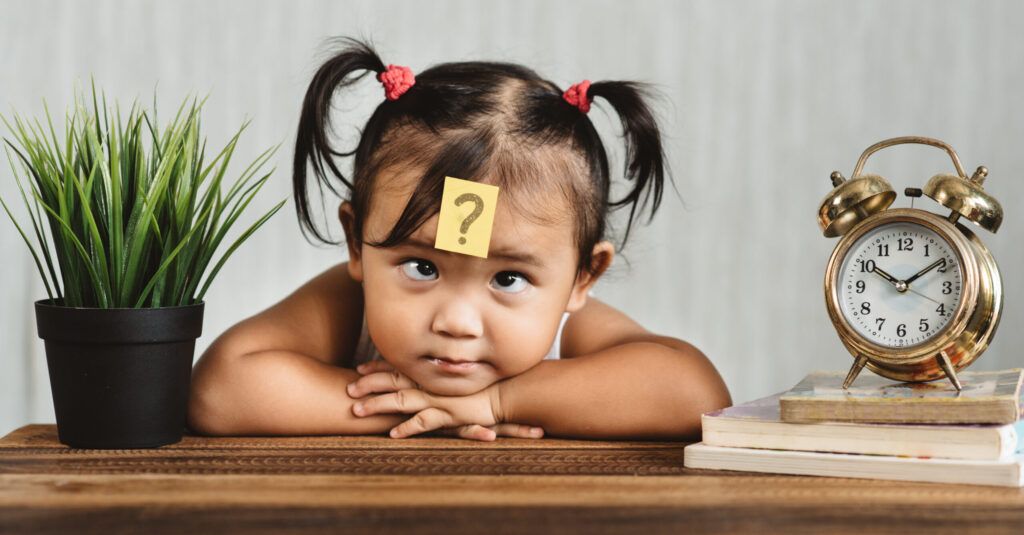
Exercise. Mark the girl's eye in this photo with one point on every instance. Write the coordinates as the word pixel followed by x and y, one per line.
pixel 510 281
pixel 418 269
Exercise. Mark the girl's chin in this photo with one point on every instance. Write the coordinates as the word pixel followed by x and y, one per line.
pixel 453 386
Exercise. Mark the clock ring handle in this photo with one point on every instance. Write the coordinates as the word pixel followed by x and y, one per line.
pixel 920 140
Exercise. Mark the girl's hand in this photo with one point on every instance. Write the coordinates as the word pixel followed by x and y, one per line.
pixel 472 417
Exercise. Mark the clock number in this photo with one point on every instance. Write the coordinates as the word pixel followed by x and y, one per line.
pixel 926 250
pixel 880 322
pixel 943 266
pixel 905 244
pixel 883 250
pixel 901 330
pixel 865 308
pixel 860 287
pixel 866 267
pixel 923 326
pixel 941 310
pixel 947 288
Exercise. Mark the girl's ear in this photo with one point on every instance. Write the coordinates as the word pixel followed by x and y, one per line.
pixel 355 259
pixel 602 256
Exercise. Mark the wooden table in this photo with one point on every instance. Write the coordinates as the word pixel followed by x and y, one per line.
pixel 365 484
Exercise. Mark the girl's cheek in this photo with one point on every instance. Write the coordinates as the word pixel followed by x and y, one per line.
pixel 518 351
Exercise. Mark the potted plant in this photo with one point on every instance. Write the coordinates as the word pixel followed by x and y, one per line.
pixel 126 216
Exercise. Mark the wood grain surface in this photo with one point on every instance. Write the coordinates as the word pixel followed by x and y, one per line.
pixel 433 485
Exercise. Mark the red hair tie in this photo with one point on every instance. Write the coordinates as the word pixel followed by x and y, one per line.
pixel 577 95
pixel 396 80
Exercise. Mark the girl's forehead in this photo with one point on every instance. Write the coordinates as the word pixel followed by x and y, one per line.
pixel 523 219
pixel 541 246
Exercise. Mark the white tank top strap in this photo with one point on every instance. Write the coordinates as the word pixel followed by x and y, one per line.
pixel 555 352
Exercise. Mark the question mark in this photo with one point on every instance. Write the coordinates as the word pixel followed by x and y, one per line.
pixel 475 199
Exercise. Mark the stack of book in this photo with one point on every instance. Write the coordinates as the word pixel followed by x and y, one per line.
pixel 876 429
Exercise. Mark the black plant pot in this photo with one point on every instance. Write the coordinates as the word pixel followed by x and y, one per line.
pixel 119 376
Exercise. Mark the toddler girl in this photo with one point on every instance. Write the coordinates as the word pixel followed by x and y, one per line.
pixel 410 338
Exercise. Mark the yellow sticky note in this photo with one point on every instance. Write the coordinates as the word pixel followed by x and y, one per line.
pixel 467 214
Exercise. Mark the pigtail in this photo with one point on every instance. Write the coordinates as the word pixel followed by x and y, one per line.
pixel 645 158
pixel 311 145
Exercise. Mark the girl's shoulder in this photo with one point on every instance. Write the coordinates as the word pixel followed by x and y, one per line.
pixel 320 319
pixel 597 326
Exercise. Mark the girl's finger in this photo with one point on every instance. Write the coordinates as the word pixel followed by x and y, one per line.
pixel 374 366
pixel 476 432
pixel 449 432
pixel 379 382
pixel 405 401
pixel 490 433
pixel 425 420
pixel 517 431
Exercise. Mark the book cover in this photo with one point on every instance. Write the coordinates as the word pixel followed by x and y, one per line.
pixel 1003 473
pixel 986 398
pixel 758 424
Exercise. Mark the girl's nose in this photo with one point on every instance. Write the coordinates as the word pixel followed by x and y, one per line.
pixel 458 318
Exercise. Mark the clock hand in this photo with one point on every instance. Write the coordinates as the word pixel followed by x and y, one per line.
pixel 913 291
pixel 933 265
pixel 886 276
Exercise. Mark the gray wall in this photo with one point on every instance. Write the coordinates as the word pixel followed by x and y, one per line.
pixel 764 100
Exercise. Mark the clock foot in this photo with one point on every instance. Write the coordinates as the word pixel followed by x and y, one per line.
pixel 858 365
pixel 947 367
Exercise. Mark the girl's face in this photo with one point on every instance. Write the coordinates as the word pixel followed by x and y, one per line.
pixel 454 323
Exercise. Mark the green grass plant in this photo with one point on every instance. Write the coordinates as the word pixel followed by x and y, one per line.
pixel 126 213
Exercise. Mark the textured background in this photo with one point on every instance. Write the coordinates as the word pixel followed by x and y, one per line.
pixel 763 101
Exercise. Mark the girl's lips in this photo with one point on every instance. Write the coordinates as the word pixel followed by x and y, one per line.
pixel 449 365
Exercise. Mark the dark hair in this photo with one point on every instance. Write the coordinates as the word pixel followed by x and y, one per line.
pixel 477 119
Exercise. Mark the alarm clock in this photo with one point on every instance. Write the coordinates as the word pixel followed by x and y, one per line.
pixel 914 295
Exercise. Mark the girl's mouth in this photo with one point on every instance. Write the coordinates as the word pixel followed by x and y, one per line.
pixel 454 366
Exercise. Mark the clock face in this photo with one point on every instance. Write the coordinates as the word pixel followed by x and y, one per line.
pixel 899 284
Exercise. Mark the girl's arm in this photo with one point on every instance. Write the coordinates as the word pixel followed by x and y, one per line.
pixel 279 372
pixel 615 380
